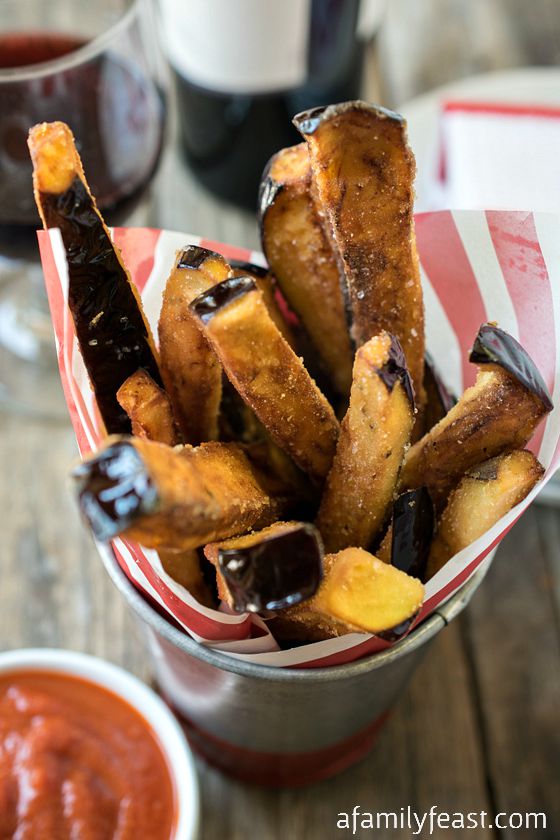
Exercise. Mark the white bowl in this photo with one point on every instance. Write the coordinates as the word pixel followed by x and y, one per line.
pixel 158 716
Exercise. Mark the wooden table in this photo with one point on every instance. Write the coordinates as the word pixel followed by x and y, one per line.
pixel 477 729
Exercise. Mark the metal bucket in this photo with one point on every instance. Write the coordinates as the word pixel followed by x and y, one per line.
pixel 281 726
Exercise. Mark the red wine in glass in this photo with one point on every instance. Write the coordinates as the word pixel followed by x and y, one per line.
pixel 115 111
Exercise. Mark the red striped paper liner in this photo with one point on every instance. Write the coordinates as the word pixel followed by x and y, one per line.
pixel 476 266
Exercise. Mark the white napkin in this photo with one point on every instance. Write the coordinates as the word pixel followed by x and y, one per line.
pixel 499 156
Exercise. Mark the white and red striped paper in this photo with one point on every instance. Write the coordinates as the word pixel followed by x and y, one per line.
pixel 476 266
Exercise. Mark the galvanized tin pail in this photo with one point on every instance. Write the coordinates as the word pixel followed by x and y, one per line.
pixel 280 726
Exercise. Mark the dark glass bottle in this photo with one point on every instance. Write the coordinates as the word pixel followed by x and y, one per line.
pixel 242 75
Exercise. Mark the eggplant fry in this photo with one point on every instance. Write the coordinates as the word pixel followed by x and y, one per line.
pixel 373 438
pixel 171 498
pixel 359 594
pixel 113 333
pixel 302 260
pixel 266 283
pixel 190 369
pixel 364 172
pixel 497 414
pixel 485 494
pixel 271 569
pixel 267 374
pixel 406 545
pixel 149 409
pixel 184 568
pixel 493 345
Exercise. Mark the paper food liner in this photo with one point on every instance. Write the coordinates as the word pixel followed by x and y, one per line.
pixel 476 266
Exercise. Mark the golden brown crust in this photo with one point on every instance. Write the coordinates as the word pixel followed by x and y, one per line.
pixel 205 493
pixel 373 436
pixel 273 382
pixel 289 166
pixel 495 415
pixel 303 262
pixel 265 282
pixel 191 372
pixel 302 625
pixel 55 159
pixel 364 172
pixel 483 496
pixel 149 409
pixel 359 594
pixel 172 498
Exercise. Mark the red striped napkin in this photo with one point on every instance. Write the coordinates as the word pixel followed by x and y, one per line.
pixel 499 155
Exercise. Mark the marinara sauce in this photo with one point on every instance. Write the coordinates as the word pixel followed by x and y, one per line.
pixel 77 761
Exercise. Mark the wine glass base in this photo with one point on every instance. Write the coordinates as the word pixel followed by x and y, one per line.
pixel 29 377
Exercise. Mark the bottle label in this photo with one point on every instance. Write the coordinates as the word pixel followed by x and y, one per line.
pixel 238 46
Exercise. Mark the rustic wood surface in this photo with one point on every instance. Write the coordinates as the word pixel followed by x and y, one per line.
pixel 477 729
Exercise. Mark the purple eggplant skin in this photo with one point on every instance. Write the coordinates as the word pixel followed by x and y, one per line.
pixel 206 305
pixel 113 336
pixel 114 489
pixel 393 634
pixel 268 190
pixel 279 572
pixel 307 122
pixel 494 346
pixel 249 268
pixel 413 531
pixel 193 256
pixel 395 370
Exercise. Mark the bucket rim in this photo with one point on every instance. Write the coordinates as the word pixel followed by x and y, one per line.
pixel 425 631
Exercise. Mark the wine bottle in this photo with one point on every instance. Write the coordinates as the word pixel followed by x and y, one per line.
pixel 243 68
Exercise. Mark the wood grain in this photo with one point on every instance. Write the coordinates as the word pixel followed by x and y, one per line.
pixel 477 728
pixel 512 641
pixel 54 590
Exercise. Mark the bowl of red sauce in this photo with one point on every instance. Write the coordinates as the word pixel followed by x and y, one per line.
pixel 88 750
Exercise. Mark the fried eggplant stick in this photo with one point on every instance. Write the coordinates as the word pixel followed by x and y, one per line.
pixel 113 333
pixel 363 170
pixel 373 436
pixel 498 413
pixel 267 374
pixel 358 594
pixel 485 494
pixel 172 498
pixel 267 284
pixel 149 409
pixel 190 369
pixel 302 260
pixel 406 545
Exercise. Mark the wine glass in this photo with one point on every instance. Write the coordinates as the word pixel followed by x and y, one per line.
pixel 97 66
